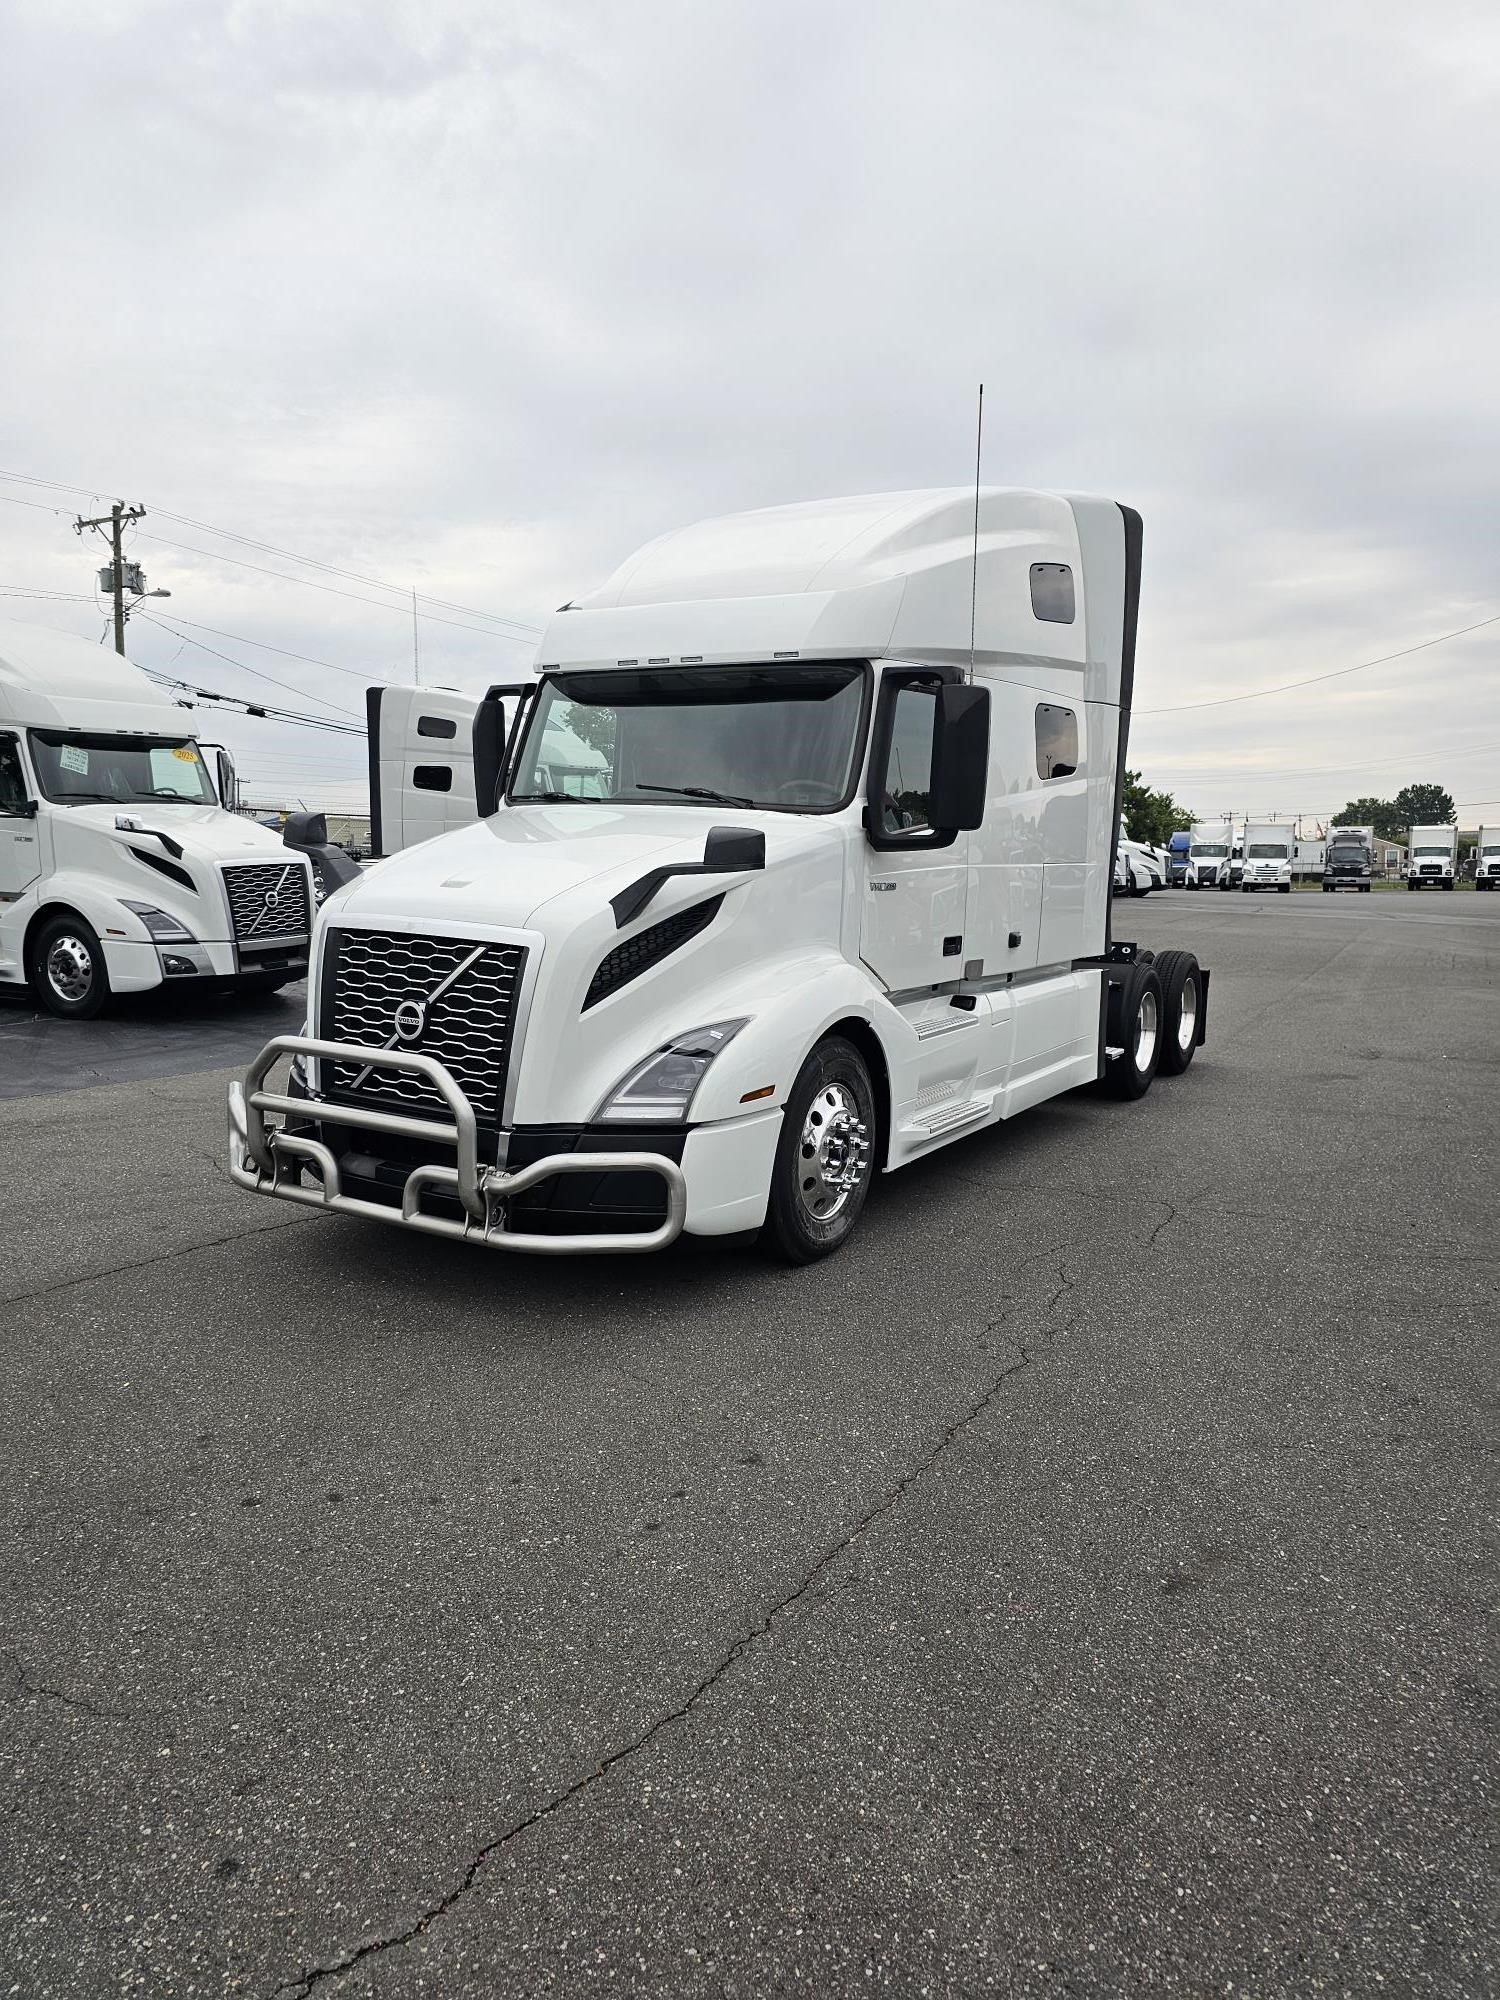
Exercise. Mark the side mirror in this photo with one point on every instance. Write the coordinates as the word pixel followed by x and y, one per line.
pixel 733 847
pixel 960 757
pixel 228 784
pixel 305 830
pixel 489 754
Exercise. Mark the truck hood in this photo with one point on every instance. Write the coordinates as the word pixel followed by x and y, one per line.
pixel 504 870
pixel 207 833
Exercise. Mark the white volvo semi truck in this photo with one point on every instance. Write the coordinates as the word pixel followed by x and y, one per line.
pixel 796 868
pixel 1431 857
pixel 1209 852
pixel 120 869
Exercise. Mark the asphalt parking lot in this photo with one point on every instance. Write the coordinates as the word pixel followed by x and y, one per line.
pixel 1078 1587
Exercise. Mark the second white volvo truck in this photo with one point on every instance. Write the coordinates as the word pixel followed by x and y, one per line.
pixel 793 876
pixel 120 868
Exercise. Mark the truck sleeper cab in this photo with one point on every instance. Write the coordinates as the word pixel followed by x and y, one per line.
pixel 776 893
pixel 120 870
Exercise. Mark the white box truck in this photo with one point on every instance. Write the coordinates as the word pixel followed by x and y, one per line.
pixel 1211 844
pixel 1349 859
pixel 829 890
pixel 120 869
pixel 1431 857
pixel 1268 856
pixel 1487 858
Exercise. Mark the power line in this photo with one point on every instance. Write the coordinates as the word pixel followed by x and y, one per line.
pixel 361 674
pixel 255 708
pixel 349 575
pixel 1224 701
pixel 520 627
pixel 307 583
pixel 255 672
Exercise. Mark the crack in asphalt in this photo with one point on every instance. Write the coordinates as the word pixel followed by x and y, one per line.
pixel 305 1982
pixel 26 1685
pixel 143 1263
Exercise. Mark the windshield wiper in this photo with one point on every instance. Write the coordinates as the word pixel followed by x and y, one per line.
pixel 698 792
pixel 544 798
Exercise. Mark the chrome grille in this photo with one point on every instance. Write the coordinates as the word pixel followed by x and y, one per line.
pixel 466 994
pixel 268 899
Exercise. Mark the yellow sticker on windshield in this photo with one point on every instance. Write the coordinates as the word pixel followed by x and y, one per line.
pixel 186 752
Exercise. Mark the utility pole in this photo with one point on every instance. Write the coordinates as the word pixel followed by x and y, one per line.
pixel 115 521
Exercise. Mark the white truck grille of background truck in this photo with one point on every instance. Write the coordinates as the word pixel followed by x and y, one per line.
pixel 268 899
pixel 387 990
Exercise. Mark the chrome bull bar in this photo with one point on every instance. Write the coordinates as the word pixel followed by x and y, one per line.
pixel 269 1160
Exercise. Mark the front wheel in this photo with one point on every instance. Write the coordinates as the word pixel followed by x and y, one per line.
pixel 68 972
pixel 825 1159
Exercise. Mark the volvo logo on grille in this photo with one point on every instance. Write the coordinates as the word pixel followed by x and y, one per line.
pixel 272 899
pixel 410 1020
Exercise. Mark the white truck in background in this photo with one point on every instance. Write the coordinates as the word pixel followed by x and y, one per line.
pixel 1432 857
pixel 1487 858
pixel 1268 856
pixel 120 868
pixel 1349 859
pixel 830 890
pixel 1210 852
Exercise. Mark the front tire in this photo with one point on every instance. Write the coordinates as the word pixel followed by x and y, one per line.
pixel 68 974
pixel 825 1159
pixel 1133 1026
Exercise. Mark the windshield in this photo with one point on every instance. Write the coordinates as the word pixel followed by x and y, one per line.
pixel 785 738
pixel 1203 852
pixel 1487 849
pixel 76 767
pixel 1440 853
pixel 1348 855
pixel 1265 850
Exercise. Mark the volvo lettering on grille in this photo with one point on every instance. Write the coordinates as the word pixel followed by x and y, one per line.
pixel 452 998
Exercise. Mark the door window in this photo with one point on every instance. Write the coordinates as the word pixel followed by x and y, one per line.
pixel 13 794
pixel 902 791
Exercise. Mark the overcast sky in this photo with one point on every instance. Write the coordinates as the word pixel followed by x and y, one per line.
pixel 478 297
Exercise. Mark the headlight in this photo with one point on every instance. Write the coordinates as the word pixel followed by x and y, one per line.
pixel 162 927
pixel 659 1090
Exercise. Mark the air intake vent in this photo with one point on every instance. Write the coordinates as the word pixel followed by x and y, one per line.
pixel 164 867
pixel 647 948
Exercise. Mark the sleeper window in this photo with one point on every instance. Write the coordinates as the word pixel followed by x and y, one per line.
pixel 1056 742
pixel 1052 593
pixel 436 725
pixel 906 783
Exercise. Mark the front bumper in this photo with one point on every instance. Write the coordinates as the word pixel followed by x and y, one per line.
pixel 270 1159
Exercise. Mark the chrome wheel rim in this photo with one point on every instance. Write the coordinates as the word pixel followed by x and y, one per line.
pixel 1187 1015
pixel 70 968
pixel 1145 1031
pixel 833 1153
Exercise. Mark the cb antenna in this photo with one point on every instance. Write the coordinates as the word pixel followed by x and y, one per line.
pixel 974 568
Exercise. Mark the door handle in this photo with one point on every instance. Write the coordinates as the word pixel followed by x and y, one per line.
pixel 1014 939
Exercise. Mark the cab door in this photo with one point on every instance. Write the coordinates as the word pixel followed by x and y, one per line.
pixel 916 876
pixel 20 843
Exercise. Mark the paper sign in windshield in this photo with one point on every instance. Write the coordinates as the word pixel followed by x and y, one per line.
pixel 72 758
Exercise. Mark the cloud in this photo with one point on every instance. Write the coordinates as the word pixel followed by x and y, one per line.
pixel 479 297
